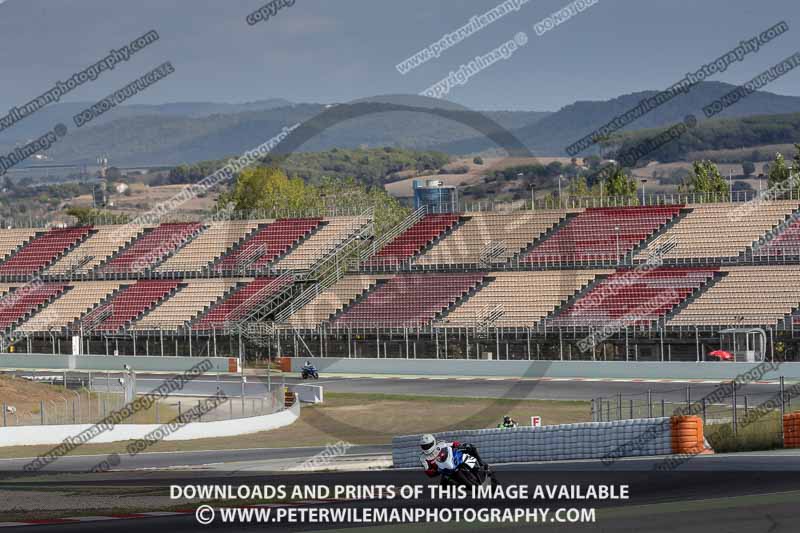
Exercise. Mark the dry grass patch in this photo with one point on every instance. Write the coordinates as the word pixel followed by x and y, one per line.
pixel 365 419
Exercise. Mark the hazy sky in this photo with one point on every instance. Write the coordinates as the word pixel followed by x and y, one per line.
pixel 339 50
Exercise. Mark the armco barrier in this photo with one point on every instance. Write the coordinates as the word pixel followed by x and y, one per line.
pixel 33 435
pixel 791 430
pixel 589 440
pixel 140 363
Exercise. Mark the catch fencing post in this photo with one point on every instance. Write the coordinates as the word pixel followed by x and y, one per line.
pixel 619 406
pixel 735 428
pixel 230 408
pixel 73 411
pixel 631 408
pixel 704 410
pixel 41 411
pixel 662 408
pixel 158 412
pixel 783 405
pixel 649 403
pixel 783 397
pixel 688 397
pixel 5 423
pixel 594 415
pixel 179 408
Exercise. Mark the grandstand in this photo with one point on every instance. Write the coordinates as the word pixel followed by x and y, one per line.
pixel 601 235
pixel 218 239
pixel 515 284
pixel 486 238
pixel 41 251
pixel 411 242
pixel 270 242
pixel 709 232
pixel 152 247
pixel 96 250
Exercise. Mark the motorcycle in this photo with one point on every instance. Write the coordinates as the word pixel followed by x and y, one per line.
pixel 460 466
pixel 310 372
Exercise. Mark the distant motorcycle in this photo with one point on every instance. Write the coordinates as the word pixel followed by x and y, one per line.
pixel 459 467
pixel 309 372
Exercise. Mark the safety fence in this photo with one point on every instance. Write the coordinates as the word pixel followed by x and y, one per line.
pixel 588 440
pixel 735 417
pixel 80 398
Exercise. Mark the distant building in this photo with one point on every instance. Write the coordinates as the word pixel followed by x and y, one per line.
pixel 99 197
pixel 438 197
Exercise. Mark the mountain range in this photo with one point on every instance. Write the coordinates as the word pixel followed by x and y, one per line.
pixel 188 132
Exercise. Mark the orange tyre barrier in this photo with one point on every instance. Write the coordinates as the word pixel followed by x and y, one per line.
pixel 288 398
pixel 791 430
pixel 687 435
pixel 285 363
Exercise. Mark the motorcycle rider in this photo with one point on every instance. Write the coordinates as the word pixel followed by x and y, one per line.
pixel 431 449
pixel 308 370
pixel 507 422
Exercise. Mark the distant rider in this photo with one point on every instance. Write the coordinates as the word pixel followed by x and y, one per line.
pixel 507 423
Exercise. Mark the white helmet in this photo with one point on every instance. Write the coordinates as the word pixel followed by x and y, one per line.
pixel 428 444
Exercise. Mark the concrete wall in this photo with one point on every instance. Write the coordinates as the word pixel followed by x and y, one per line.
pixel 32 435
pixel 534 369
pixel 110 362
pixel 308 393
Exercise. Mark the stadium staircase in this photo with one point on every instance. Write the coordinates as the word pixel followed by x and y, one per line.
pixel 542 238
pixel 696 293
pixel 249 299
pixel 412 237
pixel 81 326
pixel 459 221
pixel 590 236
pixel 129 305
pixel 644 244
pixel 266 246
pixel 332 267
pixel 409 300
pixel 358 299
pixel 378 244
pixel 567 303
pixel 627 298
pixel 785 242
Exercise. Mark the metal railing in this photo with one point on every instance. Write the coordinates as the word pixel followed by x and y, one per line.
pixel 332 268
pixel 89 397
pixel 389 236
pixel 753 416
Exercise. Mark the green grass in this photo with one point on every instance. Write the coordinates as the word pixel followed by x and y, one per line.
pixel 763 434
